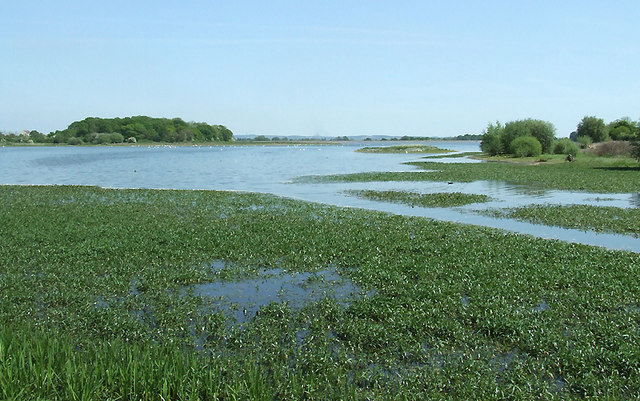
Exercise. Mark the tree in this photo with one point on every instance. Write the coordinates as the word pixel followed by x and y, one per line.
pixel 491 143
pixel 594 128
pixel 142 127
pixel 543 131
pixel 623 129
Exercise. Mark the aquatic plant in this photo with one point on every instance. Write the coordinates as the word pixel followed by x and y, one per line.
pixel 97 301
pixel 440 199
pixel 593 174
pixel 583 217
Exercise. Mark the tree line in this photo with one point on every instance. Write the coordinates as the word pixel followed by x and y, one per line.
pixel 96 130
pixel 532 137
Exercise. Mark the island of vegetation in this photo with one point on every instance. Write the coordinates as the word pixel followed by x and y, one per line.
pixel 94 130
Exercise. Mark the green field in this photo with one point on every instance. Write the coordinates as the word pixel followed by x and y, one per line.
pixel 97 301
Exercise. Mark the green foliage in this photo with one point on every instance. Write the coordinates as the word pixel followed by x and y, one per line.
pixel 594 128
pixel 442 199
pixel 623 130
pixel 97 130
pixel 498 139
pixel 635 149
pixel 95 303
pixel 585 141
pixel 593 174
pixel 75 141
pixel 565 146
pixel 543 131
pixel 491 143
pixel 525 146
pixel 583 217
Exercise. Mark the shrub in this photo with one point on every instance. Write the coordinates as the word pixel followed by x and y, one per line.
pixel 612 148
pixel 585 141
pixel 635 149
pixel 491 139
pixel 116 137
pixel 543 131
pixel 565 146
pixel 74 141
pixel 524 146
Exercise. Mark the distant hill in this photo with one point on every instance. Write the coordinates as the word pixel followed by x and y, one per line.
pixel 139 128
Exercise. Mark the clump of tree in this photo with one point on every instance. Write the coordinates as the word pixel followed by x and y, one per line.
pixel 624 129
pixel 498 139
pixel 592 129
pixel 23 137
pixel 141 128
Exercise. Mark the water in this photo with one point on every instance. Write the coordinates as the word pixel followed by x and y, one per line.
pixel 243 299
pixel 270 169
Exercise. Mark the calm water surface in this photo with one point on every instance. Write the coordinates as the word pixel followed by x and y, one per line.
pixel 270 169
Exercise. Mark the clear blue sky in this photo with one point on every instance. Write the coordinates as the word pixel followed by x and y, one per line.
pixel 429 68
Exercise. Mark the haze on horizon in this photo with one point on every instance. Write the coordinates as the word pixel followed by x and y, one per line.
pixel 419 68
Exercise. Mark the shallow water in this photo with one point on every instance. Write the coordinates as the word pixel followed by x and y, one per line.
pixel 270 169
pixel 242 299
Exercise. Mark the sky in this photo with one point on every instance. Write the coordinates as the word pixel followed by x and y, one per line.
pixel 322 68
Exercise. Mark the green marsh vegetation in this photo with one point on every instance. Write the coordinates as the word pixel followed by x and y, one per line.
pixel 440 199
pixel 403 149
pixel 95 303
pixel 462 154
pixel 583 217
pixel 587 173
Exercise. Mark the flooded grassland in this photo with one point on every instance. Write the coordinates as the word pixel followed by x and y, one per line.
pixel 183 294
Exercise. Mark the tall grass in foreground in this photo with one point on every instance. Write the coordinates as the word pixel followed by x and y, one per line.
pixel 36 364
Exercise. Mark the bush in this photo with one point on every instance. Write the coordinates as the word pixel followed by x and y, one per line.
pixel 635 149
pixel 491 139
pixel 543 131
pixel 524 146
pixel 74 141
pixel 116 137
pixel 585 141
pixel 565 146
pixel 612 148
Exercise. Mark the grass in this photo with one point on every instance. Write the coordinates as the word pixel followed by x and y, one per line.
pixel 583 217
pixel 93 303
pixel 455 155
pixel 442 199
pixel 591 174
pixel 403 149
